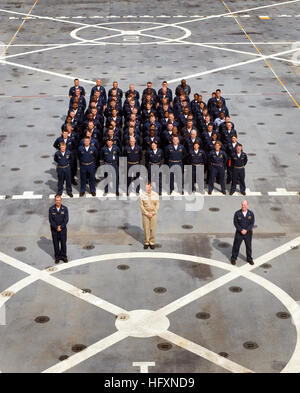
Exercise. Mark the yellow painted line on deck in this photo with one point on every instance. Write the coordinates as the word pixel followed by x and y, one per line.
pixel 259 51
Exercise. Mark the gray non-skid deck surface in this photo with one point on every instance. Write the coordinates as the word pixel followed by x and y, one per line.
pixel 33 106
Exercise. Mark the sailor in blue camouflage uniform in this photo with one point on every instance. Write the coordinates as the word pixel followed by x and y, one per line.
pixel 109 155
pixel 58 219
pixel 217 164
pixel 244 222
pixel 88 156
pixel 63 159
pixel 239 160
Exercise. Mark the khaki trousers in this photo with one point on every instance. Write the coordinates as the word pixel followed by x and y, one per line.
pixel 149 225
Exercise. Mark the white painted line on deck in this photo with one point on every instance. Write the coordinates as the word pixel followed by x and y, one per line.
pixel 248 193
pixel 252 193
pixel 24 267
pixel 45 275
pixel 87 297
pixel 291 61
pixel 261 54
pixel 235 273
pixel 27 195
pixel 89 43
pixel 183 42
pixel 144 366
pixel 261 58
pixel 46 72
pixel 27 16
pixel 245 270
pixel 64 196
pixel 57 18
pixel 240 11
pixel 283 192
pixel 199 293
pixel 15 288
pixel 204 353
pixel 87 353
pixel 292 306
pixel 77 43
pixel 43 50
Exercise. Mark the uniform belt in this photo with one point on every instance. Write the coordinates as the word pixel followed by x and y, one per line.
pixel 133 163
pixel 154 163
pixel 220 165
pixel 87 163
pixel 197 164
pixel 175 161
pixel 63 167
pixel 239 167
pixel 109 163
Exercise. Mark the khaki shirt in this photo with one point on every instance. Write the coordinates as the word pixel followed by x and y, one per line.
pixel 149 204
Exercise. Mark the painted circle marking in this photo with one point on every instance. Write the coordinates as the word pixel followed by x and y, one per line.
pixel 124 33
pixel 143 324
pixel 291 305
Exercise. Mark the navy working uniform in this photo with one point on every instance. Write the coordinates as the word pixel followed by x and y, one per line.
pixel 174 156
pixel 197 158
pixel 63 169
pixel 134 157
pixel 73 90
pixel 102 91
pixel 154 158
pixel 110 156
pixel 118 91
pixel 243 221
pixel 87 160
pixel 59 217
pixel 238 163
pixel 217 168
pixel 71 143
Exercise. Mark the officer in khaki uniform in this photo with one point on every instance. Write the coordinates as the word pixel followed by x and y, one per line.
pixel 149 204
